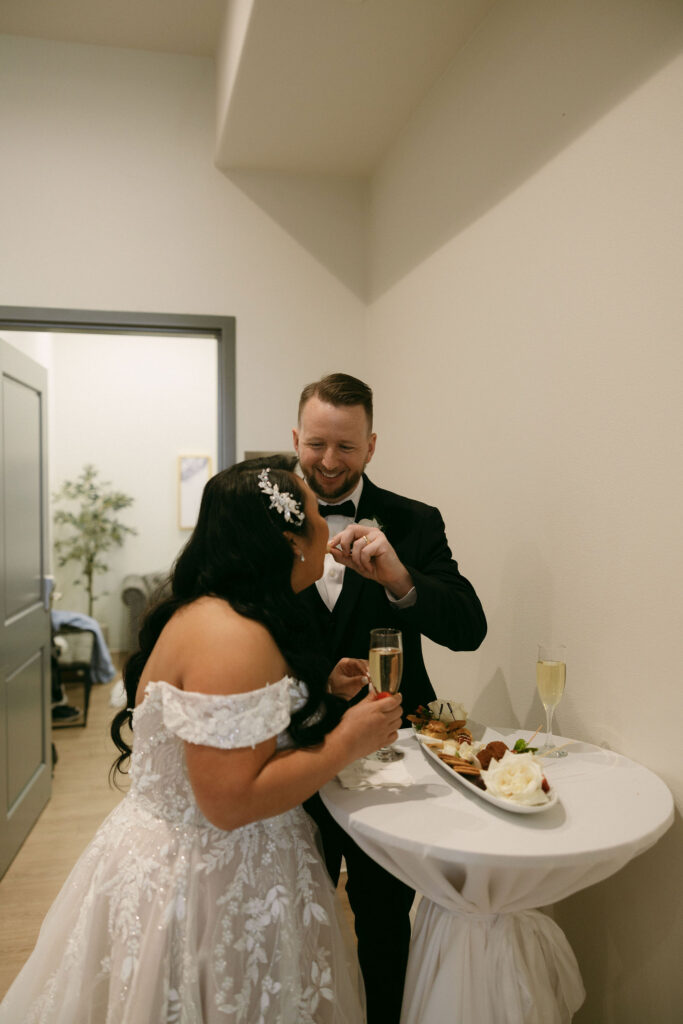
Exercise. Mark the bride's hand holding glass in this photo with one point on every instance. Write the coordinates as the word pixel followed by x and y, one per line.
pixel 371 724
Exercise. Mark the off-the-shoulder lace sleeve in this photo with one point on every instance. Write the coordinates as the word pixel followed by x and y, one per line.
pixel 227 721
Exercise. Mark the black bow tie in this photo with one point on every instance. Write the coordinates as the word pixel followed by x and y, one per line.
pixel 346 508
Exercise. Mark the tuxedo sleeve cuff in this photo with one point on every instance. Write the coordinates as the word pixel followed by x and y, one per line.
pixel 407 601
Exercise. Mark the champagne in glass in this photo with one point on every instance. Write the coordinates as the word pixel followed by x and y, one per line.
pixel 386 668
pixel 551 672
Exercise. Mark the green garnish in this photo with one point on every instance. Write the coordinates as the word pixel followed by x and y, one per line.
pixel 521 747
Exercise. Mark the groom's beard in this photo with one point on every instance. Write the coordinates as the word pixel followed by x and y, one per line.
pixel 342 488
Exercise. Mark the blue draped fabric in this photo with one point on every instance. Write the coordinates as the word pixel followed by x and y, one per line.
pixel 102 667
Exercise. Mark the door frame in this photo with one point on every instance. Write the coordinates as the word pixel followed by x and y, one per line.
pixel 25 640
pixel 85 321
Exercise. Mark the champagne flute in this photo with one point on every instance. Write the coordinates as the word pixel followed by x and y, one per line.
pixel 551 672
pixel 386 669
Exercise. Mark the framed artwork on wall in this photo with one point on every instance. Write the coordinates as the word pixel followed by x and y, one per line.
pixel 193 473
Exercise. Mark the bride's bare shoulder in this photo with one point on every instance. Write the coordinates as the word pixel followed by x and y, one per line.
pixel 216 614
pixel 214 649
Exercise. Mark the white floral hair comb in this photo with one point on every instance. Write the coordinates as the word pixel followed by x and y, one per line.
pixel 285 503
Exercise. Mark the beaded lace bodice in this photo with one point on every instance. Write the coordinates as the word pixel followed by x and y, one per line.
pixel 158 772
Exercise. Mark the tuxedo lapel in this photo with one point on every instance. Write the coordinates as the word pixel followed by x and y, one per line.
pixel 371 506
pixel 369 497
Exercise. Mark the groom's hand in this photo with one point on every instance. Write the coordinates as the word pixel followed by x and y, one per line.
pixel 348 676
pixel 367 551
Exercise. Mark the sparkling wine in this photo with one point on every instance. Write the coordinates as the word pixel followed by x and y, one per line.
pixel 550 678
pixel 386 667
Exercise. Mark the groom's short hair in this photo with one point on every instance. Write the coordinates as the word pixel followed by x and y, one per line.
pixel 339 389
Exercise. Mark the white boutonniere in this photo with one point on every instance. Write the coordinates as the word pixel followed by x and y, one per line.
pixel 374 522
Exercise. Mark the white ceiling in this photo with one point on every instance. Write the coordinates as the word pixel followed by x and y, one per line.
pixel 171 26
pixel 324 86
pixel 317 86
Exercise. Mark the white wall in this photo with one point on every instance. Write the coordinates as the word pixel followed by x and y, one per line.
pixel 35 345
pixel 130 405
pixel 525 339
pixel 109 200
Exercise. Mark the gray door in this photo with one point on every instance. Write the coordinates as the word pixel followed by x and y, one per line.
pixel 25 717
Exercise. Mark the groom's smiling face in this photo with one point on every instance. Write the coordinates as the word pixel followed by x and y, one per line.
pixel 334 446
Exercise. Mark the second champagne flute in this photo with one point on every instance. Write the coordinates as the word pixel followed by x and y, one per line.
pixel 386 669
pixel 551 672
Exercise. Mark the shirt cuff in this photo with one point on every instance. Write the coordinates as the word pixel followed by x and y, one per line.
pixel 407 601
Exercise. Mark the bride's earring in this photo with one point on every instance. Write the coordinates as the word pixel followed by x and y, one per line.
pixel 296 551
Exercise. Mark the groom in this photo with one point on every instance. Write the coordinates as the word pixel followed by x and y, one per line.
pixel 390 566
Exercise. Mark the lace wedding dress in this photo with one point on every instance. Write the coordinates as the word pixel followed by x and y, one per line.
pixel 166 919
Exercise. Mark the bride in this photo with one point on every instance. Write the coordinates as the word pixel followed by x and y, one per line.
pixel 202 897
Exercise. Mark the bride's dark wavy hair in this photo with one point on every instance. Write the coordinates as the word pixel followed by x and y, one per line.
pixel 238 552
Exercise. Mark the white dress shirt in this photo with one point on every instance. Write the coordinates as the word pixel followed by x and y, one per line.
pixel 330 583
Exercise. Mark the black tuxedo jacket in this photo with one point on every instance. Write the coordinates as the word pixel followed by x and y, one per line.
pixel 447 609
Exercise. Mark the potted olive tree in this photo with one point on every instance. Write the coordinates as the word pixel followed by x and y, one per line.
pixel 89 526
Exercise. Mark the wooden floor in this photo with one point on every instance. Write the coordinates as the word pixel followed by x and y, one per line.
pixel 81 799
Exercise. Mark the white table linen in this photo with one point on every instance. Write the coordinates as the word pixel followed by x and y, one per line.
pixel 368 774
pixel 480 951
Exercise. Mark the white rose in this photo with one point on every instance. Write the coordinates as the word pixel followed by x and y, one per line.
pixel 447 710
pixel 516 777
